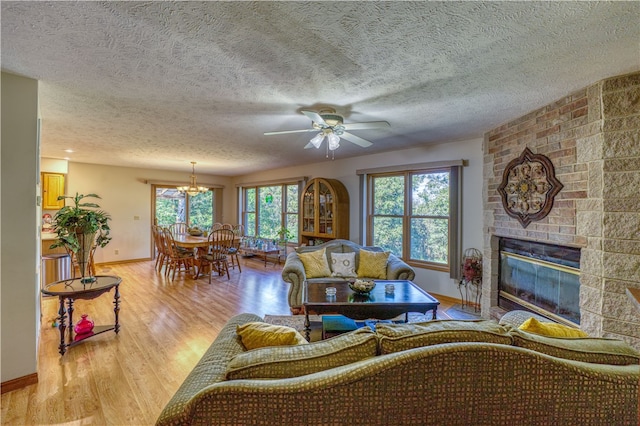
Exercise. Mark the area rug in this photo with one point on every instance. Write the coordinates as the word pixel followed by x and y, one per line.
pixel 463 313
pixel 293 321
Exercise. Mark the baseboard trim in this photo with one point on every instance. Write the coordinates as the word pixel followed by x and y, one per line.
pixel 19 383
pixel 144 259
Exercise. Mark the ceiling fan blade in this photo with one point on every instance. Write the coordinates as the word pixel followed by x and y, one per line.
pixel 367 125
pixel 356 139
pixel 315 117
pixel 290 131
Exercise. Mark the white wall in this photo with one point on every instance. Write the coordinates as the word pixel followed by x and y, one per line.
pixel 126 195
pixel 19 252
pixel 54 165
pixel 345 171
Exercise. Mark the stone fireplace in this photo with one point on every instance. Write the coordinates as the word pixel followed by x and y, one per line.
pixel 592 137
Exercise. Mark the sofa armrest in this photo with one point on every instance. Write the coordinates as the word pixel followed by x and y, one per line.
pixel 397 269
pixel 293 273
pixel 211 369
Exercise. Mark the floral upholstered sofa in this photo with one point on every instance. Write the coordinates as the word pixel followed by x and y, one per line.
pixel 433 373
pixel 295 272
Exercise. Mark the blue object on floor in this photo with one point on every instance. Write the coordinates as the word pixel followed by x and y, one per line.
pixel 333 325
pixel 373 323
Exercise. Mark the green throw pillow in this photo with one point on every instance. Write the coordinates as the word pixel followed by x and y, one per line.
pixel 594 350
pixel 293 361
pixel 400 337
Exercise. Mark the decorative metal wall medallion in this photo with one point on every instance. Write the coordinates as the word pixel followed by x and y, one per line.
pixel 528 187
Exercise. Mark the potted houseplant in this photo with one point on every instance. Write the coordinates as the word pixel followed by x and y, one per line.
pixel 79 227
pixel 284 236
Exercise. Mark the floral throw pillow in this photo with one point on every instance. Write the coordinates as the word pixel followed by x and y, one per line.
pixel 343 264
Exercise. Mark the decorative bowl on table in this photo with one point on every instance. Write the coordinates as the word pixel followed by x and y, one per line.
pixel 196 232
pixel 362 286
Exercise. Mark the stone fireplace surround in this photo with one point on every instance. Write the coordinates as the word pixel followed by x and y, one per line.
pixel 592 137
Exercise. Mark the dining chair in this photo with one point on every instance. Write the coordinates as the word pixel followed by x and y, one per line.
pixel 216 226
pixel 179 228
pixel 227 226
pixel 158 241
pixel 176 258
pixel 234 250
pixel 216 259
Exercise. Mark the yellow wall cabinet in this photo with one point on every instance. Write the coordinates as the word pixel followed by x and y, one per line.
pixel 52 187
pixel 325 211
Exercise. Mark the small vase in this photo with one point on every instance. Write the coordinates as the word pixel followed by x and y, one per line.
pixel 84 326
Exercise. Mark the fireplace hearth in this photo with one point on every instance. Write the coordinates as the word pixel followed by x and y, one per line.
pixel 540 277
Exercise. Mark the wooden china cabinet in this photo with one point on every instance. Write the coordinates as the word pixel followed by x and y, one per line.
pixel 325 211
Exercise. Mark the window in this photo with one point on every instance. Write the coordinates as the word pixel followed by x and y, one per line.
pixel 172 206
pixel 413 214
pixel 291 211
pixel 249 214
pixel 268 209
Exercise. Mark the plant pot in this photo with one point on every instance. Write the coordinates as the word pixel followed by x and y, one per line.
pixel 84 255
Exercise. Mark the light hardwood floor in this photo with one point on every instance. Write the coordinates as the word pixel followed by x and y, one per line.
pixel 166 326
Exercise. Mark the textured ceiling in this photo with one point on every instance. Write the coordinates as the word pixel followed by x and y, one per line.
pixel 160 84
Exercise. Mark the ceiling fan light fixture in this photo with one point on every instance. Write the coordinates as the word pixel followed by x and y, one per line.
pixel 193 189
pixel 317 140
pixel 333 141
pixel 330 124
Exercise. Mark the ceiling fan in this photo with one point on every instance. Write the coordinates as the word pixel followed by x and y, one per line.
pixel 331 125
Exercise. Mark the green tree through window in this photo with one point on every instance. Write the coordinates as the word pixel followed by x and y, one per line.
pixel 409 215
pixel 173 206
pixel 249 215
pixel 268 209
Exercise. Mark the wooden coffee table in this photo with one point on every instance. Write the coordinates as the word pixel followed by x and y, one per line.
pixel 407 297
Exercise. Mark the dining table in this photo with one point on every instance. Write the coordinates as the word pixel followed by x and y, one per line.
pixel 199 243
pixel 191 241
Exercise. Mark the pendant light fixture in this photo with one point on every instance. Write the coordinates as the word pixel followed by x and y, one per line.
pixel 193 188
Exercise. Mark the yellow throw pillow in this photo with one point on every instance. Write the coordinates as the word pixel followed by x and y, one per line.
pixel 552 329
pixel 294 361
pixel 315 263
pixel 260 334
pixel 373 264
